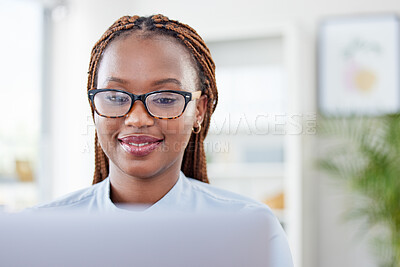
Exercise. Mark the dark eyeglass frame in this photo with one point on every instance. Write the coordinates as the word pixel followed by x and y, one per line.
pixel 188 96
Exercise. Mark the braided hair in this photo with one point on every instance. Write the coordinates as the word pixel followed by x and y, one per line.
pixel 194 158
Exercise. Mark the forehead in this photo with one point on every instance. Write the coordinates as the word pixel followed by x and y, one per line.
pixel 140 58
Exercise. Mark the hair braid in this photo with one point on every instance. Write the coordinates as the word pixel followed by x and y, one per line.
pixel 101 162
pixel 194 158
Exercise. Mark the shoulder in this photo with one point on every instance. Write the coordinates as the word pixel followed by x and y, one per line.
pixel 77 199
pixel 214 199
pixel 226 199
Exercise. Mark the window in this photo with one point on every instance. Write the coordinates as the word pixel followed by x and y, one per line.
pixel 245 144
pixel 21 25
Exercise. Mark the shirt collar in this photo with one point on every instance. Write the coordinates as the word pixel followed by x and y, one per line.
pixel 173 198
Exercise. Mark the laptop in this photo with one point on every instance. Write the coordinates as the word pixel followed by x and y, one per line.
pixel 137 239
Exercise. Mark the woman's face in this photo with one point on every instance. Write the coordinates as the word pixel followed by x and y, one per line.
pixel 139 145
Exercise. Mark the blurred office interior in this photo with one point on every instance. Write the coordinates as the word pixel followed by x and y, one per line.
pixel 263 139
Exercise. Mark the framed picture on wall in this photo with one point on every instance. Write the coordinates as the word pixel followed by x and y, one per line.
pixel 358 65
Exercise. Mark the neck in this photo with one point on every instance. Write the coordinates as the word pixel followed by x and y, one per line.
pixel 126 189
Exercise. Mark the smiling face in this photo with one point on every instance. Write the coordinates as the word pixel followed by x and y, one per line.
pixel 139 145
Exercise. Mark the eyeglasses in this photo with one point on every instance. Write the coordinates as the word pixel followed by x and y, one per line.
pixel 165 104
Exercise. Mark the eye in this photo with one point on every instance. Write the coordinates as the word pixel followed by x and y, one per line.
pixel 118 99
pixel 164 100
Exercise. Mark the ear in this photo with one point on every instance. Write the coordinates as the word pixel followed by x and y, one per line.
pixel 201 108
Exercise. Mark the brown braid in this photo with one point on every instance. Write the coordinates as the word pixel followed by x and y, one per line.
pixel 194 158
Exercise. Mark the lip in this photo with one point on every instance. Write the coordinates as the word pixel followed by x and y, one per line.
pixel 139 145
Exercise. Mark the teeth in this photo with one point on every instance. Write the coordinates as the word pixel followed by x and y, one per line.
pixel 143 144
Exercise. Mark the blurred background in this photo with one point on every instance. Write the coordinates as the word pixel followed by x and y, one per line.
pixel 274 74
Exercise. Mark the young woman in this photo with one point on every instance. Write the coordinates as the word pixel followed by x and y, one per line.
pixel 152 91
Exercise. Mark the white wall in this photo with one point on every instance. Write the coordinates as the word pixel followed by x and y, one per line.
pixel 327 242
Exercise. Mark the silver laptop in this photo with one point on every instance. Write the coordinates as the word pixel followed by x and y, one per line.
pixel 137 239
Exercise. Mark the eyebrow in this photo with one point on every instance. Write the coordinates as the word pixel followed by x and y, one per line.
pixel 168 80
pixel 115 79
pixel 158 82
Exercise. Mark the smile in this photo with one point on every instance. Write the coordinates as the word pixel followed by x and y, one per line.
pixel 143 144
pixel 139 145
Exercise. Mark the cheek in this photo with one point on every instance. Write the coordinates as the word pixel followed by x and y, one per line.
pixel 177 127
pixel 106 126
pixel 180 126
pixel 177 132
pixel 105 129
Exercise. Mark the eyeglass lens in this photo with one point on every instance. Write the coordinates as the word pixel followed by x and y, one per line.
pixel 162 105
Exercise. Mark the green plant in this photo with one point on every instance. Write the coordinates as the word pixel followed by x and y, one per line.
pixel 365 154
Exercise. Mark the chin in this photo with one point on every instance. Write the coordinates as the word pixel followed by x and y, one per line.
pixel 142 170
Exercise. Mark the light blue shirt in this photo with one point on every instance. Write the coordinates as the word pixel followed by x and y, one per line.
pixel 187 195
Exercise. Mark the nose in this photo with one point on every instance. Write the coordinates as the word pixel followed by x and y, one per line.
pixel 138 116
